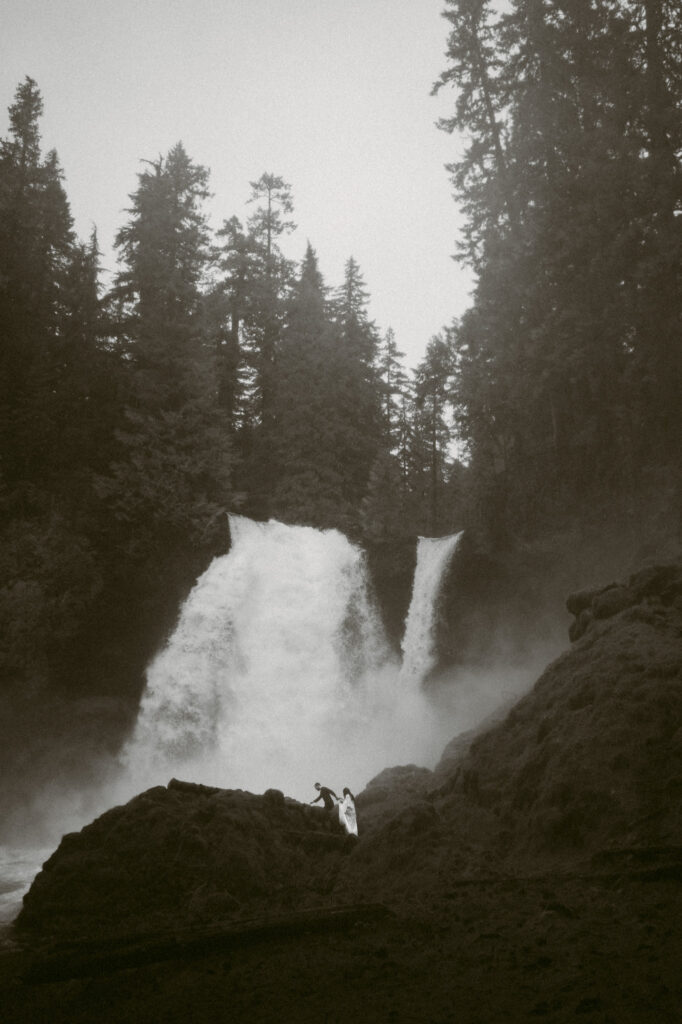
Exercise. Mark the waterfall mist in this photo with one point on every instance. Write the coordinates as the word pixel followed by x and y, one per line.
pixel 279 674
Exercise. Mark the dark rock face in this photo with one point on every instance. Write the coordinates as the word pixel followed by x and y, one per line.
pixel 391 569
pixel 589 762
pixel 592 758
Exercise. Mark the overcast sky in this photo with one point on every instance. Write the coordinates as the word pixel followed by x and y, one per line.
pixel 333 95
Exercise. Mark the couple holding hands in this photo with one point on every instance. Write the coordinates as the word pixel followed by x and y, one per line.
pixel 346 806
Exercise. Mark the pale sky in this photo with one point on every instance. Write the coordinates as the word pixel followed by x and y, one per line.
pixel 333 95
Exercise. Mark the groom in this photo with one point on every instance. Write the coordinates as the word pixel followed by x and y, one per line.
pixel 325 794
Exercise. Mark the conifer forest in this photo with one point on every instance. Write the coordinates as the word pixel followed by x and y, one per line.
pixel 212 374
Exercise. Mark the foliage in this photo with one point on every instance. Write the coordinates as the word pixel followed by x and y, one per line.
pixel 567 364
pixel 216 373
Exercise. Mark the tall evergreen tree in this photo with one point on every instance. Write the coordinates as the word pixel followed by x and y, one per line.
pixel 36 243
pixel 254 282
pixel 356 398
pixel 309 481
pixel 234 300
pixel 172 474
pixel 392 384
pixel 267 225
pixel 430 454
pixel 384 512
pixel 164 252
pixel 559 379
pixel 56 410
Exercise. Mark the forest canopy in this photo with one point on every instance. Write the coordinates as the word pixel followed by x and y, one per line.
pixel 568 365
pixel 214 374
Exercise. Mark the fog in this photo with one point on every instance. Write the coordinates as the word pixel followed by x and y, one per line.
pixel 277 675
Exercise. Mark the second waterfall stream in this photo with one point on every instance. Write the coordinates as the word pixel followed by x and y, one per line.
pixel 278 672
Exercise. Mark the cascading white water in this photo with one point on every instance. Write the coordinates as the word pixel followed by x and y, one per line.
pixel 269 666
pixel 418 646
pixel 278 673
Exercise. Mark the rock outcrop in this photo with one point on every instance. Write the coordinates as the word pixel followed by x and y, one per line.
pixel 185 854
pixel 586 767
pixel 652 588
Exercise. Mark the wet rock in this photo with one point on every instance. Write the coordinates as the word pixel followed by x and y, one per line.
pixel 662 580
pixel 653 586
pixel 183 853
pixel 581 600
pixel 610 602
pixel 580 625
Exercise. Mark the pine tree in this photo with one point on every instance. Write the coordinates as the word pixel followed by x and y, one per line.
pixel 171 476
pixel 234 300
pixel 309 480
pixel 56 411
pixel 356 400
pixel 431 453
pixel 267 225
pixel 384 513
pixel 568 188
pixel 36 241
pixel 392 384
pixel 164 251
pixel 85 378
pixel 482 178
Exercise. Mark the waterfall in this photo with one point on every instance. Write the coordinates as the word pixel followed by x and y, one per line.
pixel 278 673
pixel 272 664
pixel 419 641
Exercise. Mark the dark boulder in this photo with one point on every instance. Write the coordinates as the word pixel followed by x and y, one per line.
pixel 653 585
pixel 581 600
pixel 580 624
pixel 185 853
pixel 662 581
pixel 610 602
